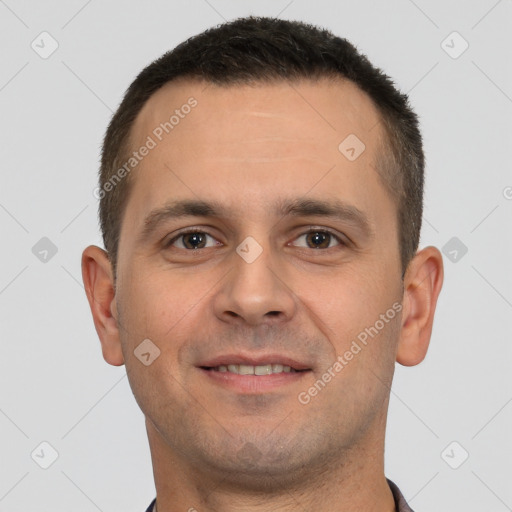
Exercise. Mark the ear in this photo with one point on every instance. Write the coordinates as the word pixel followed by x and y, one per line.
pixel 99 287
pixel 422 284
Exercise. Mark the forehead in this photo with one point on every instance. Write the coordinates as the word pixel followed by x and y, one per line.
pixel 322 109
pixel 259 139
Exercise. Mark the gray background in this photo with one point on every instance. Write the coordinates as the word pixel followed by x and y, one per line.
pixel 54 383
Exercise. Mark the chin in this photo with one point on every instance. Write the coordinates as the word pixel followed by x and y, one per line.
pixel 263 462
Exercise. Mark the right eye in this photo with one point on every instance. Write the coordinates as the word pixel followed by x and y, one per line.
pixel 191 240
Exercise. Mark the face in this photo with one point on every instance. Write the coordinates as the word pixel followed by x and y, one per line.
pixel 250 238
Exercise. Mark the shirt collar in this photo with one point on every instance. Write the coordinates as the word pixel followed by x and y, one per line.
pixel 401 504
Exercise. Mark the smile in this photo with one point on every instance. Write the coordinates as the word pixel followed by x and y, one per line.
pixel 246 369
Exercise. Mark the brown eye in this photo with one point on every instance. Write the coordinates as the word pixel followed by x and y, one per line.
pixel 192 240
pixel 318 239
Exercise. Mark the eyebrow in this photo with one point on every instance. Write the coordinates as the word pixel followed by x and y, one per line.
pixel 333 209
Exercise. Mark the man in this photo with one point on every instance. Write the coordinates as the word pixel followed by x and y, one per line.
pixel 261 192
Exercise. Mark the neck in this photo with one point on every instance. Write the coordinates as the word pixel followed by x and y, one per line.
pixel 354 480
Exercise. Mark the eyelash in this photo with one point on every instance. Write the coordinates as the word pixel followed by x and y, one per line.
pixel 192 231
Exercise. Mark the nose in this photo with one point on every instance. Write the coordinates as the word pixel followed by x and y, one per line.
pixel 255 293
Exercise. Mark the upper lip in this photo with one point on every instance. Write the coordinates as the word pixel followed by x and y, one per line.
pixel 254 360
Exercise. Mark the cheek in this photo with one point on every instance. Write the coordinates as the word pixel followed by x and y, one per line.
pixel 154 303
pixel 151 309
pixel 354 310
pixel 346 302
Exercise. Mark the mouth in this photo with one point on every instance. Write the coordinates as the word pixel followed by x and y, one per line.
pixel 259 370
pixel 251 375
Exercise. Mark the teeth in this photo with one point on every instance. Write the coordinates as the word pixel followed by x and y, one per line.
pixel 233 368
pixel 263 370
pixel 246 369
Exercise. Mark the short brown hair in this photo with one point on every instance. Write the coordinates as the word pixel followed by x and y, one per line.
pixel 256 49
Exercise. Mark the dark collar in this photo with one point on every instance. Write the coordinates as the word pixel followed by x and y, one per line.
pixel 401 504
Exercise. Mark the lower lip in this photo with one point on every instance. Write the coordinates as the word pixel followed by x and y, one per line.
pixel 254 383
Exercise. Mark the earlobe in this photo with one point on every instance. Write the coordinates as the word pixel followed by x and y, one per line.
pixel 99 288
pixel 422 284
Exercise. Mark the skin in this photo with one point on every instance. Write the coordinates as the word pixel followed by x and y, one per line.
pixel 222 449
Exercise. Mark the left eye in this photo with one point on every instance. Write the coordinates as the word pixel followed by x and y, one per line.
pixel 319 239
